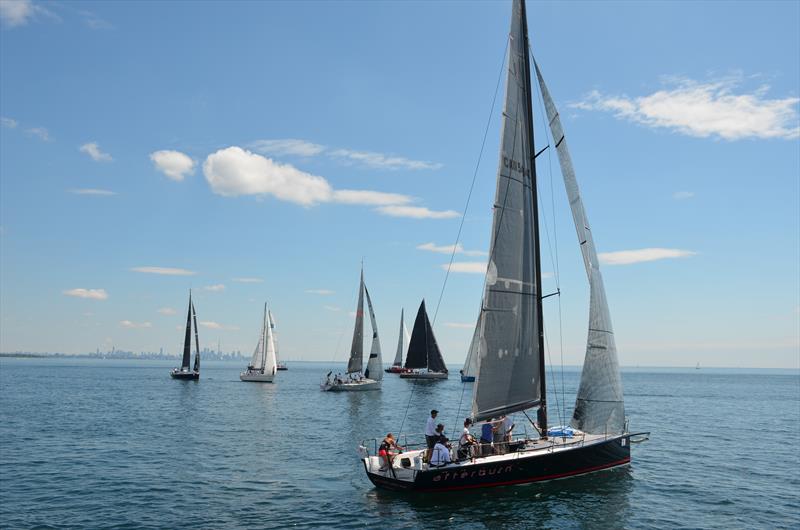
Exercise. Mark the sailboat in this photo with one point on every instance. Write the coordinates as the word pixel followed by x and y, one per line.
pixel 279 365
pixel 471 363
pixel 184 372
pixel 424 360
pixel 263 365
pixel 353 379
pixel 402 347
pixel 510 376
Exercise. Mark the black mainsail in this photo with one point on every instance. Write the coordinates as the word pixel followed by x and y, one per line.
pixel 187 340
pixel 423 351
pixel 196 340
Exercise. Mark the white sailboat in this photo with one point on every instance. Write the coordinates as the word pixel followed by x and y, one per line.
pixel 354 379
pixel 471 363
pixel 510 333
pixel 263 365
pixel 402 348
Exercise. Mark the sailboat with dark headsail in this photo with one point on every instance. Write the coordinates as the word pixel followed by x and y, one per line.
pixel 264 363
pixel 402 347
pixel 184 372
pixel 354 379
pixel 424 359
pixel 510 375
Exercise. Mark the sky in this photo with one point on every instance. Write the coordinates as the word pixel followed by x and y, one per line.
pixel 259 151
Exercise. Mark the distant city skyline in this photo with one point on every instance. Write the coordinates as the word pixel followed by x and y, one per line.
pixel 258 151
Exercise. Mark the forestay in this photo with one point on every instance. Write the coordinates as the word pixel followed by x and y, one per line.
pixel 509 348
pixel 599 407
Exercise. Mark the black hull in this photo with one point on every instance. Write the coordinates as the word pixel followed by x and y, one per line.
pixel 535 468
pixel 187 376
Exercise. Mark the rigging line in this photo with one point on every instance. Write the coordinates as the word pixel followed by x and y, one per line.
pixel 472 185
pixel 458 412
pixel 553 375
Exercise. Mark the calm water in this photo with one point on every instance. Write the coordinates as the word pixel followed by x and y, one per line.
pixel 119 444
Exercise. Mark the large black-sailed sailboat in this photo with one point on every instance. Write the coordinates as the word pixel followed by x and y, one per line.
pixel 424 359
pixel 509 338
pixel 184 372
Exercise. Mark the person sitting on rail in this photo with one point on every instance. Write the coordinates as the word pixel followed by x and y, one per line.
pixel 387 451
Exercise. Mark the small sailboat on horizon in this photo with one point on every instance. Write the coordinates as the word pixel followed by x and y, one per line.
pixel 354 379
pixel 184 372
pixel 263 365
pixel 402 346
pixel 424 359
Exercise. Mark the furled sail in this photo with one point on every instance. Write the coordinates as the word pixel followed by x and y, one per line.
pixel 423 351
pixel 196 342
pixel 187 340
pixel 402 341
pixel 374 368
pixel 509 373
pixel 599 407
pixel 270 361
pixel 470 368
pixel 355 363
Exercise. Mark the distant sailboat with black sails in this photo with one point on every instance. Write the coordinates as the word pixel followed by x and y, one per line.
pixel 184 372
pixel 424 359
pixel 510 375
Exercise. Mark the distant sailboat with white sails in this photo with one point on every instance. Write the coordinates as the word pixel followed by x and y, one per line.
pixel 264 363
pixel 402 348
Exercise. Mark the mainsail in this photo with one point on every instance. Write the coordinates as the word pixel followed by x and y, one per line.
pixel 259 359
pixel 402 342
pixel 274 335
pixel 374 368
pixel 423 351
pixel 196 341
pixel 357 348
pixel 187 340
pixel 270 361
pixel 599 407
pixel 509 376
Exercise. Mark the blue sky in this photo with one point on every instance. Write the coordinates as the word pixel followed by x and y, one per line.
pixel 259 150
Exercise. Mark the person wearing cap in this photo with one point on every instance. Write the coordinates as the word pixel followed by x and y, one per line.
pixel 441 453
pixel 385 451
pixel 430 434
pixel 466 442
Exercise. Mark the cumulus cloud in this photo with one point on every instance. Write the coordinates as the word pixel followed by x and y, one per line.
pixel 382 161
pixel 234 171
pixel 627 257
pixel 167 311
pixel 416 212
pixel 214 288
pixel 134 325
pixel 15 13
pixel 7 122
pixel 174 164
pixel 448 249
pixel 682 195
pixel 321 292
pixel 93 150
pixel 167 271
pixel 40 132
pixel 91 191
pixel 248 280
pixel 712 109
pixel 92 294
pixel 470 267
pixel 288 146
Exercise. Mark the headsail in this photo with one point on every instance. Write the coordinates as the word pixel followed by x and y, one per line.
pixel 402 341
pixel 270 362
pixel 470 368
pixel 274 335
pixel 509 365
pixel 356 362
pixel 599 407
pixel 374 369
pixel 423 351
pixel 187 340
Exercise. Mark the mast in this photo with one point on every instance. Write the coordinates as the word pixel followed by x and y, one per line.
pixel 542 415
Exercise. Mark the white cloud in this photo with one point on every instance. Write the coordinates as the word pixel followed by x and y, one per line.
pixel 288 146
pixel 332 308
pixel 627 257
pixel 448 249
pixel 214 288
pixel 216 325
pixel 703 110
pixel 416 212
pixel 382 161
pixel 134 325
pixel 167 311
pixel 370 198
pixel 92 191
pixel 321 292
pixel 19 12
pixel 7 122
pixel 95 22
pixel 471 267
pixel 93 150
pixel 92 294
pixel 173 164
pixel 39 132
pixel 248 280
pixel 681 195
pixel 460 325
pixel 167 271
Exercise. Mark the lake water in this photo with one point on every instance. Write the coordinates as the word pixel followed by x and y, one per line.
pixel 100 444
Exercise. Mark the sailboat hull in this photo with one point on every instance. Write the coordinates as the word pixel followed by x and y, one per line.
pixel 354 386
pixel 395 370
pixel 512 468
pixel 178 374
pixel 423 375
pixel 256 377
pixel 467 378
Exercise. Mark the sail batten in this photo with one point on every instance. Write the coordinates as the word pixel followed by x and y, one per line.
pixel 599 406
